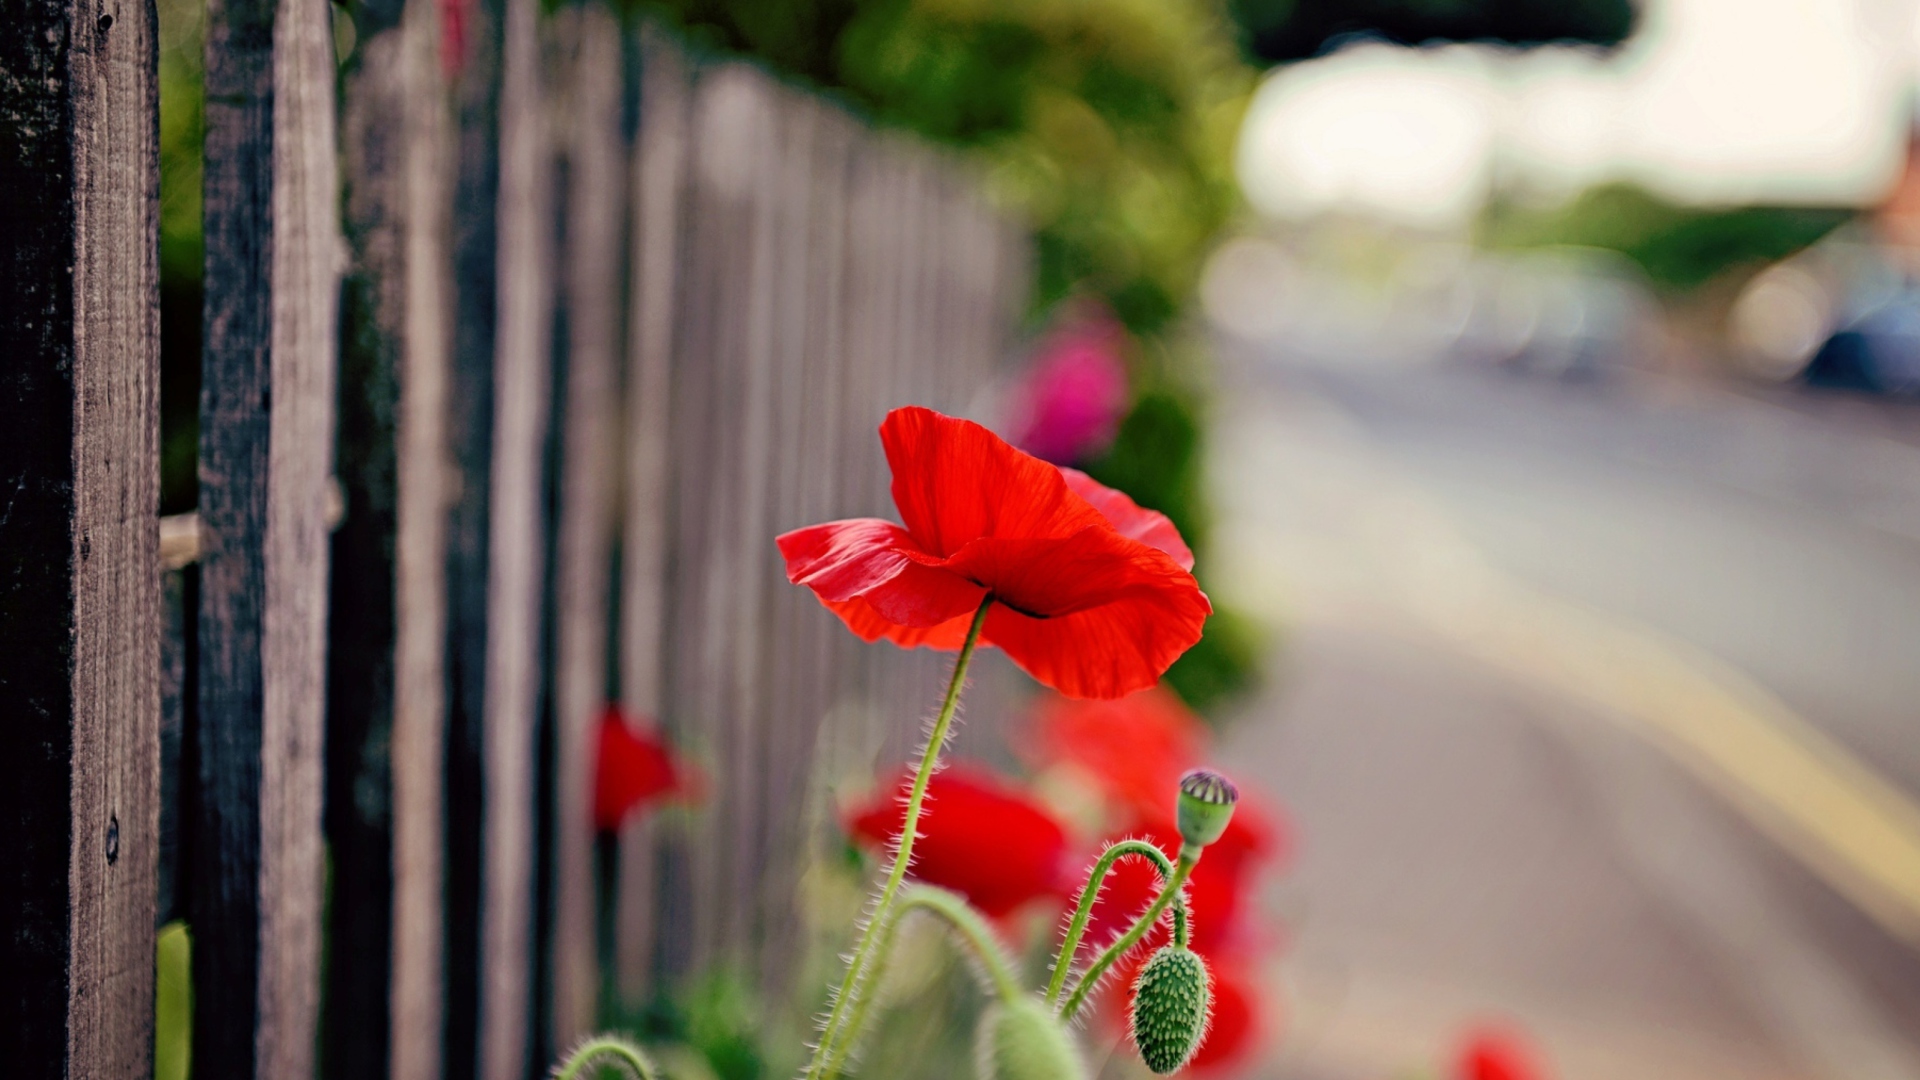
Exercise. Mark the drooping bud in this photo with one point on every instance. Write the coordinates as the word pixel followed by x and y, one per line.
pixel 1206 806
pixel 1172 1002
pixel 1022 1040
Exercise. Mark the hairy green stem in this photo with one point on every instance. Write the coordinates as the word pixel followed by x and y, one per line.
pixel 966 922
pixel 1090 892
pixel 858 978
pixel 973 932
pixel 1189 855
pixel 624 1054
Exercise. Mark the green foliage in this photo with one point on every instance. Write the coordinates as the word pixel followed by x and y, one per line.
pixel 1170 1008
pixel 1156 459
pixel 1109 125
pixel 1680 248
pixel 1224 665
pixel 715 1017
pixel 173 1003
pixel 182 127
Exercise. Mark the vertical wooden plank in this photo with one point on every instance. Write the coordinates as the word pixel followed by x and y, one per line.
pixel 387 658
pixel 79 592
pixel 594 219
pixel 516 550
pixel 809 282
pixel 470 435
pixel 265 451
pixel 657 173
pixel 684 681
pixel 747 530
pixel 419 685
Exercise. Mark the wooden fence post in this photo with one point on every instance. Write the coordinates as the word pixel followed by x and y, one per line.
pixel 387 654
pixel 79 499
pixel 266 421
pixel 589 479
pixel 516 550
pixel 470 426
pixel 656 179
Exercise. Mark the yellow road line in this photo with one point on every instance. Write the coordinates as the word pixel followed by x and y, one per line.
pixel 1791 780
pixel 1354 537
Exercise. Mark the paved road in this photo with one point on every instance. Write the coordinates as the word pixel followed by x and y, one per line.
pixel 1598 710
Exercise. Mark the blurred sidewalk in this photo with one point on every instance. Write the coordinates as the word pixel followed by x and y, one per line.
pixel 1569 672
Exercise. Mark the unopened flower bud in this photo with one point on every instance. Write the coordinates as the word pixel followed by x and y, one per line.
pixel 1022 1040
pixel 1172 1000
pixel 1206 806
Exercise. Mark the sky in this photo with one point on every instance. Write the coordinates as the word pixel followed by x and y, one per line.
pixel 1710 102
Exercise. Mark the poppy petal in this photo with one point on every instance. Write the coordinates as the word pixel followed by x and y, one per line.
pixel 955 481
pixel 1095 616
pixel 870 625
pixel 873 560
pixel 1130 519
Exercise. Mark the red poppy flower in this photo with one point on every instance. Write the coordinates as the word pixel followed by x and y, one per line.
pixel 632 769
pixel 979 836
pixel 1093 595
pixel 1496 1054
pixel 1135 747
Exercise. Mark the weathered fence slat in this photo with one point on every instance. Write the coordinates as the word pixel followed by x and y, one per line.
pixel 586 338
pixel 386 716
pixel 595 216
pixel 656 178
pixel 419 685
pixel 470 428
pixel 517 547
pixel 265 454
pixel 79 595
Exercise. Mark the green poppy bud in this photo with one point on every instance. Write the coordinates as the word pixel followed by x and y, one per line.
pixel 1172 1002
pixel 1022 1040
pixel 1206 806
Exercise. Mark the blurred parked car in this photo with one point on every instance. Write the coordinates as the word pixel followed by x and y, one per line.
pixel 1844 313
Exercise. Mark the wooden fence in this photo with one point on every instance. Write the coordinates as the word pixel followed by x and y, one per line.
pixel 512 371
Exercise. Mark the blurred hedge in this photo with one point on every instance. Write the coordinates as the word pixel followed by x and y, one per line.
pixel 1109 124
pixel 1680 248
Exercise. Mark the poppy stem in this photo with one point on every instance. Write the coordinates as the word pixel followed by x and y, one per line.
pixel 826 1054
pixel 626 1057
pixel 995 971
pixel 1091 892
pixel 1189 855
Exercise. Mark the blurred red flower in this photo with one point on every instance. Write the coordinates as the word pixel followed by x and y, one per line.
pixel 1238 1025
pixel 1135 747
pixel 632 769
pixel 453 36
pixel 979 836
pixel 1217 891
pixel 1094 601
pixel 1068 407
pixel 1492 1053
